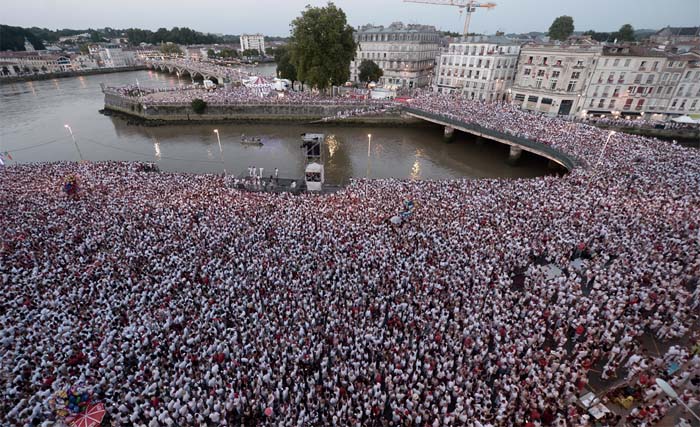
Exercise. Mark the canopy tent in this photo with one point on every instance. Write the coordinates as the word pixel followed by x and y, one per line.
pixel 686 120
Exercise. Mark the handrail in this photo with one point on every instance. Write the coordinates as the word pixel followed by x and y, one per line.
pixel 567 161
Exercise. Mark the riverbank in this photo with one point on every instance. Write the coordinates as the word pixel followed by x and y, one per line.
pixel 50 76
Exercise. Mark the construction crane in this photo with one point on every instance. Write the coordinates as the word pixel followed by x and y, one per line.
pixel 467 6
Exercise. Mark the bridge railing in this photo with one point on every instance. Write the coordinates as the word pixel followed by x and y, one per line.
pixel 568 161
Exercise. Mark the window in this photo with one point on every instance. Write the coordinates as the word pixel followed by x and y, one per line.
pixel 540 73
pixel 579 63
pixel 553 85
pixel 519 97
pixel 575 74
pixel 682 107
pixel 572 86
pixel 544 60
pixel 611 104
pixel 558 63
pixel 640 104
pixel 638 78
pixel 601 103
pixel 628 104
pixel 673 105
pixel 621 79
pixel 532 98
pixel 694 104
pixel 616 92
pixel 627 62
pixel 547 101
pixel 643 65
pixel 538 83
pixel 591 103
pixel 616 62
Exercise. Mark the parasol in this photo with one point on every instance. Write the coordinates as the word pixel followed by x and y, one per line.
pixel 91 418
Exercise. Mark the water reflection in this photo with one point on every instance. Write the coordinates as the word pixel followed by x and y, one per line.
pixel 36 115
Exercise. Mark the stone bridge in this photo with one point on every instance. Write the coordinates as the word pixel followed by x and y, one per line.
pixel 195 70
pixel 516 143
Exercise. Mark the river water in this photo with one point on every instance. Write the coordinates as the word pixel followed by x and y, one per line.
pixel 34 114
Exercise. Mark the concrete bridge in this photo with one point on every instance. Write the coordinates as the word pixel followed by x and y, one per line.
pixel 517 144
pixel 217 74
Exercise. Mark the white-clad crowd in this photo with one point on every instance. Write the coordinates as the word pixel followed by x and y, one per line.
pixel 183 302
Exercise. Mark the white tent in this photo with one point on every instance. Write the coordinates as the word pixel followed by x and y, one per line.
pixel 686 120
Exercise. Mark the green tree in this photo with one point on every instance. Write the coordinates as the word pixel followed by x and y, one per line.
pixel 228 53
pixel 561 28
pixel 599 37
pixel 84 49
pixel 370 71
pixel 322 46
pixel 199 105
pixel 211 53
pixel 170 49
pixel 285 68
pixel 625 33
pixel 250 53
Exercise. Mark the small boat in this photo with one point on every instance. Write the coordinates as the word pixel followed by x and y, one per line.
pixel 251 140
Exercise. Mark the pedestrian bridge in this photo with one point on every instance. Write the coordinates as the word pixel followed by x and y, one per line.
pixel 516 143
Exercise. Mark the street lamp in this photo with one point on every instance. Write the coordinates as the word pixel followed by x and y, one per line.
pixel 369 148
pixel 74 141
pixel 221 150
pixel 666 388
pixel 610 134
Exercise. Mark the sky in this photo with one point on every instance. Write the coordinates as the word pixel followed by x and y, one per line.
pixel 272 17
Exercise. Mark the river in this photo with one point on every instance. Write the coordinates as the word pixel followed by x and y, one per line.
pixel 34 114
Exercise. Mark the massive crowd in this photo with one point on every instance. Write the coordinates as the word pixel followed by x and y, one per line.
pixel 181 301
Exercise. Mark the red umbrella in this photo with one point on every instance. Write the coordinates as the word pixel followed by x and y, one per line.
pixel 91 418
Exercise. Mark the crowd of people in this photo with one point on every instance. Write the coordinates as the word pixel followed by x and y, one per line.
pixel 181 301
pixel 623 122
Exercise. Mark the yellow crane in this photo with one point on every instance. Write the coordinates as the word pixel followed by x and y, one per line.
pixel 468 6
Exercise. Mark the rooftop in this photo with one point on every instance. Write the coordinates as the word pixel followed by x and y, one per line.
pixel 397 27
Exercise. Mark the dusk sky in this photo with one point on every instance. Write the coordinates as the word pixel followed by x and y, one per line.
pixel 272 17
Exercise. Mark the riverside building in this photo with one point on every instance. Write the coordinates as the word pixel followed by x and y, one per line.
pixel 480 67
pixel 405 53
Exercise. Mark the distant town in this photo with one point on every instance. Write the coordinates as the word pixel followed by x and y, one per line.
pixel 627 74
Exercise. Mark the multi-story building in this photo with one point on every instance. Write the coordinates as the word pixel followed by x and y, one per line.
pixel 685 96
pixel 552 78
pixel 481 67
pixel 405 53
pixel 23 63
pixel 633 81
pixel 253 42
pixel 113 57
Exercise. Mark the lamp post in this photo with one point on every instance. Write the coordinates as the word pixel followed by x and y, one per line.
pixel 670 392
pixel 610 134
pixel 369 153
pixel 74 141
pixel 221 150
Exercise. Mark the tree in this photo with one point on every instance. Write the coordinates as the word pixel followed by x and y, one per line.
pixel 170 49
pixel 625 33
pixel 84 48
pixel 199 105
pixel 370 71
pixel 561 28
pixel 322 46
pixel 285 68
pixel 211 53
pixel 250 53
pixel 599 37
pixel 228 53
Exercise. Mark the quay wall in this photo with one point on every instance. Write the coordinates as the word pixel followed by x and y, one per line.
pixel 50 76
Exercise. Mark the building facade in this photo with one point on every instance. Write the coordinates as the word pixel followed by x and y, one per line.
pixel 27 63
pixel 405 53
pixel 114 57
pixel 552 79
pixel 636 81
pixel 253 41
pixel 480 67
